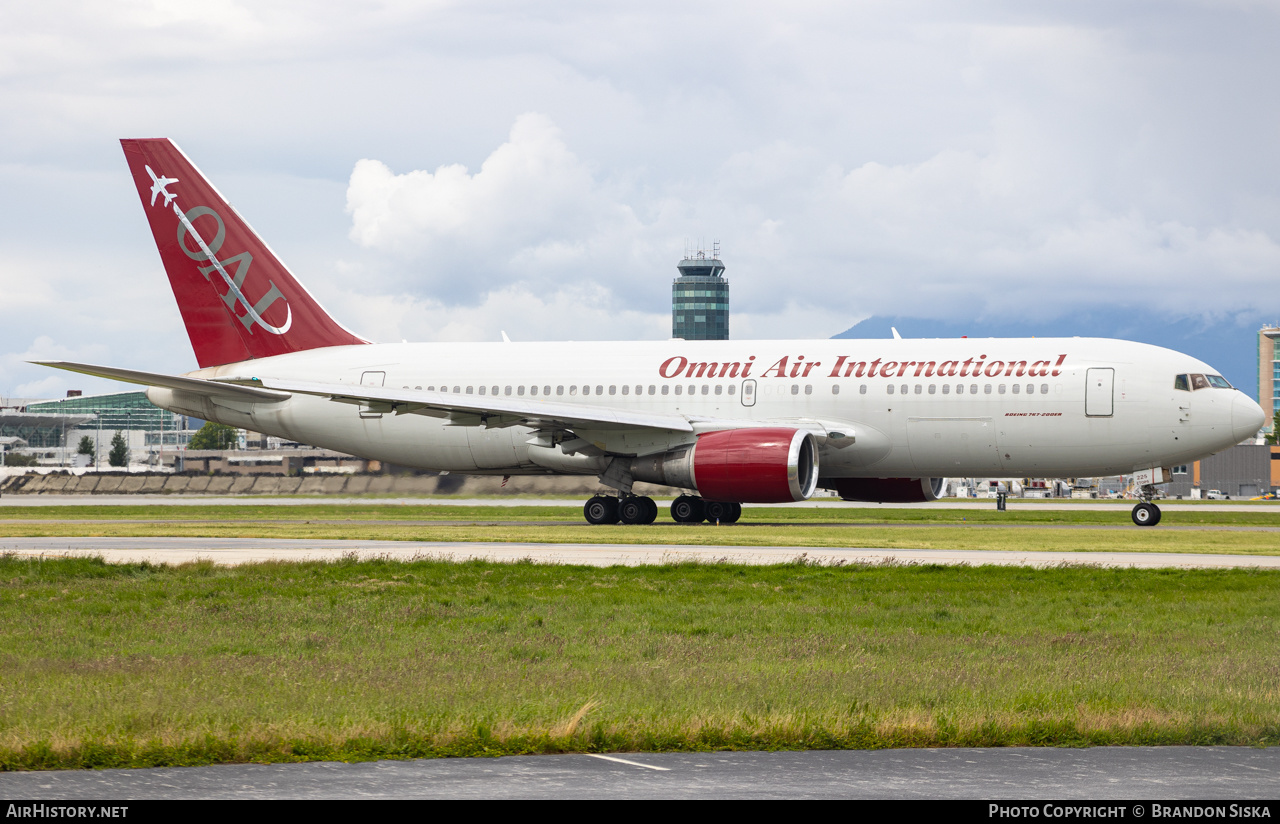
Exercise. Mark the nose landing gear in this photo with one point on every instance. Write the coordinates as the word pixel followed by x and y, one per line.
pixel 1146 513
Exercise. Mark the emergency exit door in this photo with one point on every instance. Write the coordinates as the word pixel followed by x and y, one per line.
pixel 1099 392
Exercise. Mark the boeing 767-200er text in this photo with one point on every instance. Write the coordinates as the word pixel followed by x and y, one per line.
pixel 732 422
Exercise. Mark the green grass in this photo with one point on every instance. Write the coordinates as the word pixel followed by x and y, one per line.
pixel 136 664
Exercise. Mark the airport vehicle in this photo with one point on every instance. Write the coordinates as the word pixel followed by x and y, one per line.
pixel 733 422
pixel 1215 495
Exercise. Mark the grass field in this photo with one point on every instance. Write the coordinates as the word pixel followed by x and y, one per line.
pixel 118 665
pixel 136 664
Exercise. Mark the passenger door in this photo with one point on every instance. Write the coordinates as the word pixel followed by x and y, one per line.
pixel 1099 392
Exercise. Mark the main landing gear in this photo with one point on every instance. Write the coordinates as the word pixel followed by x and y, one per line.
pixel 638 509
pixel 631 509
pixel 1146 513
pixel 689 509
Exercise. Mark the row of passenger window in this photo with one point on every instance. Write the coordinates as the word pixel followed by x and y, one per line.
pixel 720 389
pixel 707 389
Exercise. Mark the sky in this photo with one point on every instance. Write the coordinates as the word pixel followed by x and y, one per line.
pixel 450 171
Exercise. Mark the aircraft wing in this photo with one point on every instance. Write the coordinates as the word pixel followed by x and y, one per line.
pixel 461 410
pixel 197 386
pixel 476 410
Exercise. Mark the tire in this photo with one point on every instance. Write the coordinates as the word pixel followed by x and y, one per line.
pixel 722 512
pixel 601 510
pixel 651 511
pixel 688 510
pixel 631 510
pixel 1146 515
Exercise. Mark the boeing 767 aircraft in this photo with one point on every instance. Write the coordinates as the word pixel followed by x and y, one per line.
pixel 731 422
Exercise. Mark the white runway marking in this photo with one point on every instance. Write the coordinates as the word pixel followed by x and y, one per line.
pixel 631 763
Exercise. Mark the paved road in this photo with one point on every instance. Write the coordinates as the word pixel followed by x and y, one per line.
pixel 198 500
pixel 1100 773
pixel 247 550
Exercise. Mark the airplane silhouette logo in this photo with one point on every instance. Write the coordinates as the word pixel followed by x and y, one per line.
pixel 159 187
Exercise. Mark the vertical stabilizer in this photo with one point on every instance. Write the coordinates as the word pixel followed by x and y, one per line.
pixel 237 299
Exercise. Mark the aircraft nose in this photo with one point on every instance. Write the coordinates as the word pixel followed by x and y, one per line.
pixel 1246 417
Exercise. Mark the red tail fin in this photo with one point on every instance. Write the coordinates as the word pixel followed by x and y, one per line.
pixel 237 299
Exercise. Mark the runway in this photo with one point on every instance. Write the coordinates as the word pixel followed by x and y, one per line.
pixel 1099 773
pixel 232 551
pixel 1031 504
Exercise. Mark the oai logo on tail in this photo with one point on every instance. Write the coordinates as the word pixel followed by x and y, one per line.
pixel 253 312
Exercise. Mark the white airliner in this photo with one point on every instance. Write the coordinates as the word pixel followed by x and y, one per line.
pixel 731 422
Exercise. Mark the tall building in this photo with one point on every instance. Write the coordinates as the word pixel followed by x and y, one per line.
pixel 700 298
pixel 1269 371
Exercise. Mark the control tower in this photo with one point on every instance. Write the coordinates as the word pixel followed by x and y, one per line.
pixel 700 297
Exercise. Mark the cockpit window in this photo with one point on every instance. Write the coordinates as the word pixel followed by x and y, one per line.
pixel 1199 382
pixel 1182 383
pixel 1218 382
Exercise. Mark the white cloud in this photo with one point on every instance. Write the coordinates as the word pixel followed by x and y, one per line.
pixel 539 169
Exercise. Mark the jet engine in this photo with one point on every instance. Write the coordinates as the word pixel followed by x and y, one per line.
pixel 762 465
pixel 886 490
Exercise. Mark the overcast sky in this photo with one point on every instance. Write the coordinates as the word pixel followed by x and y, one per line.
pixel 447 171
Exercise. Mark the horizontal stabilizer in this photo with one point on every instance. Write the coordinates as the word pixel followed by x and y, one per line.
pixel 195 386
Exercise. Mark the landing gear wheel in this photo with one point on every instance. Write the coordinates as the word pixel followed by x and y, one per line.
pixel 723 512
pixel 688 510
pixel 1146 514
pixel 601 510
pixel 632 510
pixel 650 511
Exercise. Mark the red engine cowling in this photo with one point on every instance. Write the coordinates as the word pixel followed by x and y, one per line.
pixel 764 465
pixel 886 490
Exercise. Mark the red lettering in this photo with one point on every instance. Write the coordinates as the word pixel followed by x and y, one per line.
pixel 948 369
pixel 928 369
pixel 729 370
pixel 1043 366
pixel 698 370
pixel 1058 366
pixel 779 368
pixel 886 371
pixel 902 370
pixel 1009 369
pixel 964 370
pixel 835 370
pixel 874 365
pixel 809 366
pixel 665 369
pixel 994 368
pixel 746 370
pixel 851 371
pixel 795 370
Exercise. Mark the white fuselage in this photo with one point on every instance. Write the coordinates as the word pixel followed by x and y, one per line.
pixel 1038 407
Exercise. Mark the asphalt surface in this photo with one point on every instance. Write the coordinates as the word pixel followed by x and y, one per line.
pixel 1100 773
pixel 230 551
pixel 830 503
